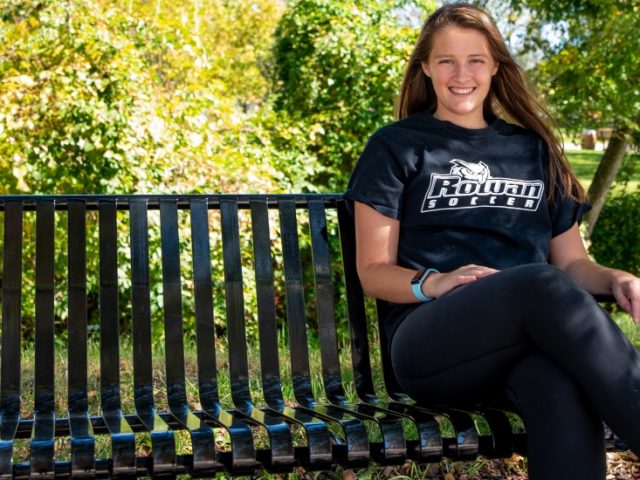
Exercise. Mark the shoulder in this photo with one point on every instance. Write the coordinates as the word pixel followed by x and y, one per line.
pixel 506 129
pixel 417 123
pixel 415 131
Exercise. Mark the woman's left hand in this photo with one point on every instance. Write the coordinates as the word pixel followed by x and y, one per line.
pixel 626 288
pixel 568 253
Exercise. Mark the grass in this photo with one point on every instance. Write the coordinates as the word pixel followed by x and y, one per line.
pixel 585 163
pixel 21 452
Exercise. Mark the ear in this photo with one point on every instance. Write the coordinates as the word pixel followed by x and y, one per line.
pixel 495 69
pixel 425 69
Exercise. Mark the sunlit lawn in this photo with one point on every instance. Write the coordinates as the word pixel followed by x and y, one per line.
pixel 585 163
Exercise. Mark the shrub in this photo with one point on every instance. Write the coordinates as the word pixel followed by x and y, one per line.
pixel 616 237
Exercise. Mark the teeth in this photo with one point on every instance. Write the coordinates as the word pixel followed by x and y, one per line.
pixel 461 91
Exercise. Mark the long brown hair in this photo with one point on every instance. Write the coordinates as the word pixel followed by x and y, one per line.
pixel 509 96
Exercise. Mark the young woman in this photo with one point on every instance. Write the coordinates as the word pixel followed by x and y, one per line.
pixel 467 224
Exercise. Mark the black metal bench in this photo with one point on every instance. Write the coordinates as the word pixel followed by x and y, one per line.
pixel 301 289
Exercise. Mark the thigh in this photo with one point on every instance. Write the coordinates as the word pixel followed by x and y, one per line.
pixel 461 344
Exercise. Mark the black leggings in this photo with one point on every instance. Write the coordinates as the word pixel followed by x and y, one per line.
pixel 531 335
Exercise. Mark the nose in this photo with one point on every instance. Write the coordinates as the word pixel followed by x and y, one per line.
pixel 461 71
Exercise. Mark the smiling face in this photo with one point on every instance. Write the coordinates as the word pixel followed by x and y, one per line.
pixel 460 66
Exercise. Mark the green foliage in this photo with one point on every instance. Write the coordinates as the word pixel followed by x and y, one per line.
pixel 106 97
pixel 111 97
pixel 591 75
pixel 338 68
pixel 67 101
pixel 615 237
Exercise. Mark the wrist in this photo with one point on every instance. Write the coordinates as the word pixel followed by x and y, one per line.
pixel 418 281
pixel 428 286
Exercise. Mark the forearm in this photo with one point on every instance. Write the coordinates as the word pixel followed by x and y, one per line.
pixel 592 277
pixel 388 282
pixel 392 283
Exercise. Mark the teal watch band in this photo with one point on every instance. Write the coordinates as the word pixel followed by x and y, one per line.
pixel 417 281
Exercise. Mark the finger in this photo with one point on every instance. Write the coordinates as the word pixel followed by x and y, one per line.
pixel 464 279
pixel 474 271
pixel 469 278
pixel 622 300
pixel 635 310
pixel 485 272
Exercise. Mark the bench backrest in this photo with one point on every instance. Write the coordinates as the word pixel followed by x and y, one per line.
pixel 111 243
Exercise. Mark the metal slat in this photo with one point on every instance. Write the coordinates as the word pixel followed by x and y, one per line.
pixel 109 330
pixel 267 322
pixel 243 455
pixel 42 437
pixel 11 315
pixel 81 432
pixel 172 302
pixel 203 287
pixel 281 444
pixel 238 365
pixel 162 439
pixel 325 304
pixel 296 315
pixel 318 452
pixel 122 437
pixel 140 306
pixel 356 309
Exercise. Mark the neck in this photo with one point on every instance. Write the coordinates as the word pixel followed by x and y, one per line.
pixel 472 123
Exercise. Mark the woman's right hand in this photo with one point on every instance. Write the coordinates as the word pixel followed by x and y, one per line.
pixel 437 284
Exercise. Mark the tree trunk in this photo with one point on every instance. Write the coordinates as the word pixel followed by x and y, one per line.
pixel 605 175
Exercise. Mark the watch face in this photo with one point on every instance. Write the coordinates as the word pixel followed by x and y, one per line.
pixel 418 276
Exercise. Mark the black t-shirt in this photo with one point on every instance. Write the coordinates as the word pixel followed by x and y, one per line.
pixel 462 195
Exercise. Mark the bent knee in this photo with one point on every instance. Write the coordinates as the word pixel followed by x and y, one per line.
pixel 543 284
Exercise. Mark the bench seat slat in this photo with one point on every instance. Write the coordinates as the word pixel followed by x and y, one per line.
pixel 205 330
pixel 265 291
pixel 295 300
pixel 325 304
pixel 122 437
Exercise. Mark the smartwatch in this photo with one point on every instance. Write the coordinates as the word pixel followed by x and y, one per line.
pixel 418 279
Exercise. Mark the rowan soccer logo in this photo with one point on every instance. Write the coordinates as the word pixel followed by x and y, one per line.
pixel 470 185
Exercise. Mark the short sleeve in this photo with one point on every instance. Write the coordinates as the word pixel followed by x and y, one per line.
pixel 565 212
pixel 378 179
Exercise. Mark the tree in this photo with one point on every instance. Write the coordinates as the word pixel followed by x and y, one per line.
pixel 590 74
pixel 100 97
pixel 110 97
pixel 338 69
pixel 68 101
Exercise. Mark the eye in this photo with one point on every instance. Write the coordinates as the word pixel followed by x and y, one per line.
pixel 445 60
